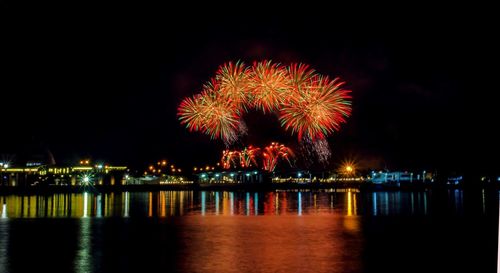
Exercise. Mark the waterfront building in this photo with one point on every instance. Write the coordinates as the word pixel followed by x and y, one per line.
pixel 14 176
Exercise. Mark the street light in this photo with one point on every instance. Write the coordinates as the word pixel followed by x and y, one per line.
pixel 3 166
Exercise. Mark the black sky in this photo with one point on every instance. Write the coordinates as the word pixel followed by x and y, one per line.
pixel 104 80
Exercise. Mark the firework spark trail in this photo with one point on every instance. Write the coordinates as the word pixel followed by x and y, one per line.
pixel 273 153
pixel 242 128
pixel 248 156
pixel 322 150
pixel 319 149
pixel 229 158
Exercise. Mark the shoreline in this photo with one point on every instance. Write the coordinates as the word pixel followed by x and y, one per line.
pixel 232 187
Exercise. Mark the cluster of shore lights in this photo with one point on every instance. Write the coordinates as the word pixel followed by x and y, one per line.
pixel 206 168
pixel 161 167
pixel 300 179
pixel 179 180
pixel 228 177
pixel 222 179
pixel 87 162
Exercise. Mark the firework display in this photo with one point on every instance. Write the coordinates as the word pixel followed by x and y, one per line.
pixel 233 80
pixel 248 156
pixel 273 153
pixel 270 156
pixel 308 104
pixel 317 110
pixel 211 113
pixel 229 158
pixel 269 84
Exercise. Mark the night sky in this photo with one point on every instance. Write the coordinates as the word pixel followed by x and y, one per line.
pixel 104 81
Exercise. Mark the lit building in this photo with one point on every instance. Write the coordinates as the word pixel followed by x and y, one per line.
pixel 230 177
pixel 401 177
pixel 62 175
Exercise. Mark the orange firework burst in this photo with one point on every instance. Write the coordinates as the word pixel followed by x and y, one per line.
pixel 269 84
pixel 210 114
pixel 316 109
pixel 191 113
pixel 233 80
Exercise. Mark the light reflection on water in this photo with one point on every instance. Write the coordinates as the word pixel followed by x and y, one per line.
pixel 222 231
pixel 4 241
pixel 348 202
pixel 83 258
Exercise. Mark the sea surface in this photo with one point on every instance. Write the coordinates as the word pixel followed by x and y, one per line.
pixel 342 230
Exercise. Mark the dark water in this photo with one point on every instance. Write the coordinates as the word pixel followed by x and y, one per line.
pixel 284 231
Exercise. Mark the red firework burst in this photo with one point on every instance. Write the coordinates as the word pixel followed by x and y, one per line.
pixel 269 83
pixel 248 156
pixel 316 109
pixel 273 153
pixel 229 158
pixel 233 80
pixel 210 114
